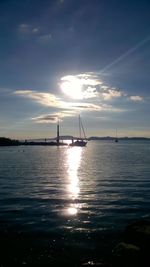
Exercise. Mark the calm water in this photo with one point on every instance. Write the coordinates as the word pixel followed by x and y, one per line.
pixel 75 198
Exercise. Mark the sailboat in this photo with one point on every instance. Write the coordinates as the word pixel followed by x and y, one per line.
pixel 81 141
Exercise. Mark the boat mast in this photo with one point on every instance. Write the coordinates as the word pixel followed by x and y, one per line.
pixel 83 130
pixel 79 127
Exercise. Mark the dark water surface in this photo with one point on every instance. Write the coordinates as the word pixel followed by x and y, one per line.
pixel 69 204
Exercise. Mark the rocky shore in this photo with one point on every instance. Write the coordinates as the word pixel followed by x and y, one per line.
pixel 132 249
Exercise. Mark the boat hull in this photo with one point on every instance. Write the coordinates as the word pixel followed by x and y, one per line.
pixel 78 143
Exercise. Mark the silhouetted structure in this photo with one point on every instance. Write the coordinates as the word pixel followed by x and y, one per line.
pixel 58 143
pixel 8 142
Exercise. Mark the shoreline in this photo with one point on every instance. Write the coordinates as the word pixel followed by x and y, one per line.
pixel 128 248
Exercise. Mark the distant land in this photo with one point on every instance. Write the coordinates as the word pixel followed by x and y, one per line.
pixel 8 142
pixel 52 141
pixel 119 138
pixel 91 138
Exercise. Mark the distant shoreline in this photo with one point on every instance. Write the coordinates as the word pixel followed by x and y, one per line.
pixel 119 138
pixel 48 142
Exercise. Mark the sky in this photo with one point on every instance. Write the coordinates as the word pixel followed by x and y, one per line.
pixel 62 58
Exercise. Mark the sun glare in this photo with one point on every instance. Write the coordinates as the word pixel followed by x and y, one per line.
pixel 72 87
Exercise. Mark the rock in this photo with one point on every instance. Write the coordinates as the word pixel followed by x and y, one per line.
pixel 126 255
pixel 138 233
pixel 134 250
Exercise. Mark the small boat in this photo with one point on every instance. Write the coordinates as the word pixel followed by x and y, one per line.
pixel 116 139
pixel 80 141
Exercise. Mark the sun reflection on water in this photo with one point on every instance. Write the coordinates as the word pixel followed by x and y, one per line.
pixel 74 155
pixel 72 211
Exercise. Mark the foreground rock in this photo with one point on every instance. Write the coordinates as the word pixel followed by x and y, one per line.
pixel 134 250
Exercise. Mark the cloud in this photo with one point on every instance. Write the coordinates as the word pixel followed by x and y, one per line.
pixel 136 98
pixel 109 94
pixel 83 79
pixel 53 117
pixel 50 100
pixel 70 108
pixel 89 79
pixel 81 86
pixel 86 86
pixel 90 92
pixel 46 38
pixel 35 30
pixel 86 106
pixel 46 118
pixel 27 29
pixel 45 99
pixel 23 28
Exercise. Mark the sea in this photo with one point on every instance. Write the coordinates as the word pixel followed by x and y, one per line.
pixel 70 205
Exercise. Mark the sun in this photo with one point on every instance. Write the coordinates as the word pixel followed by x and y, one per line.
pixel 72 87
